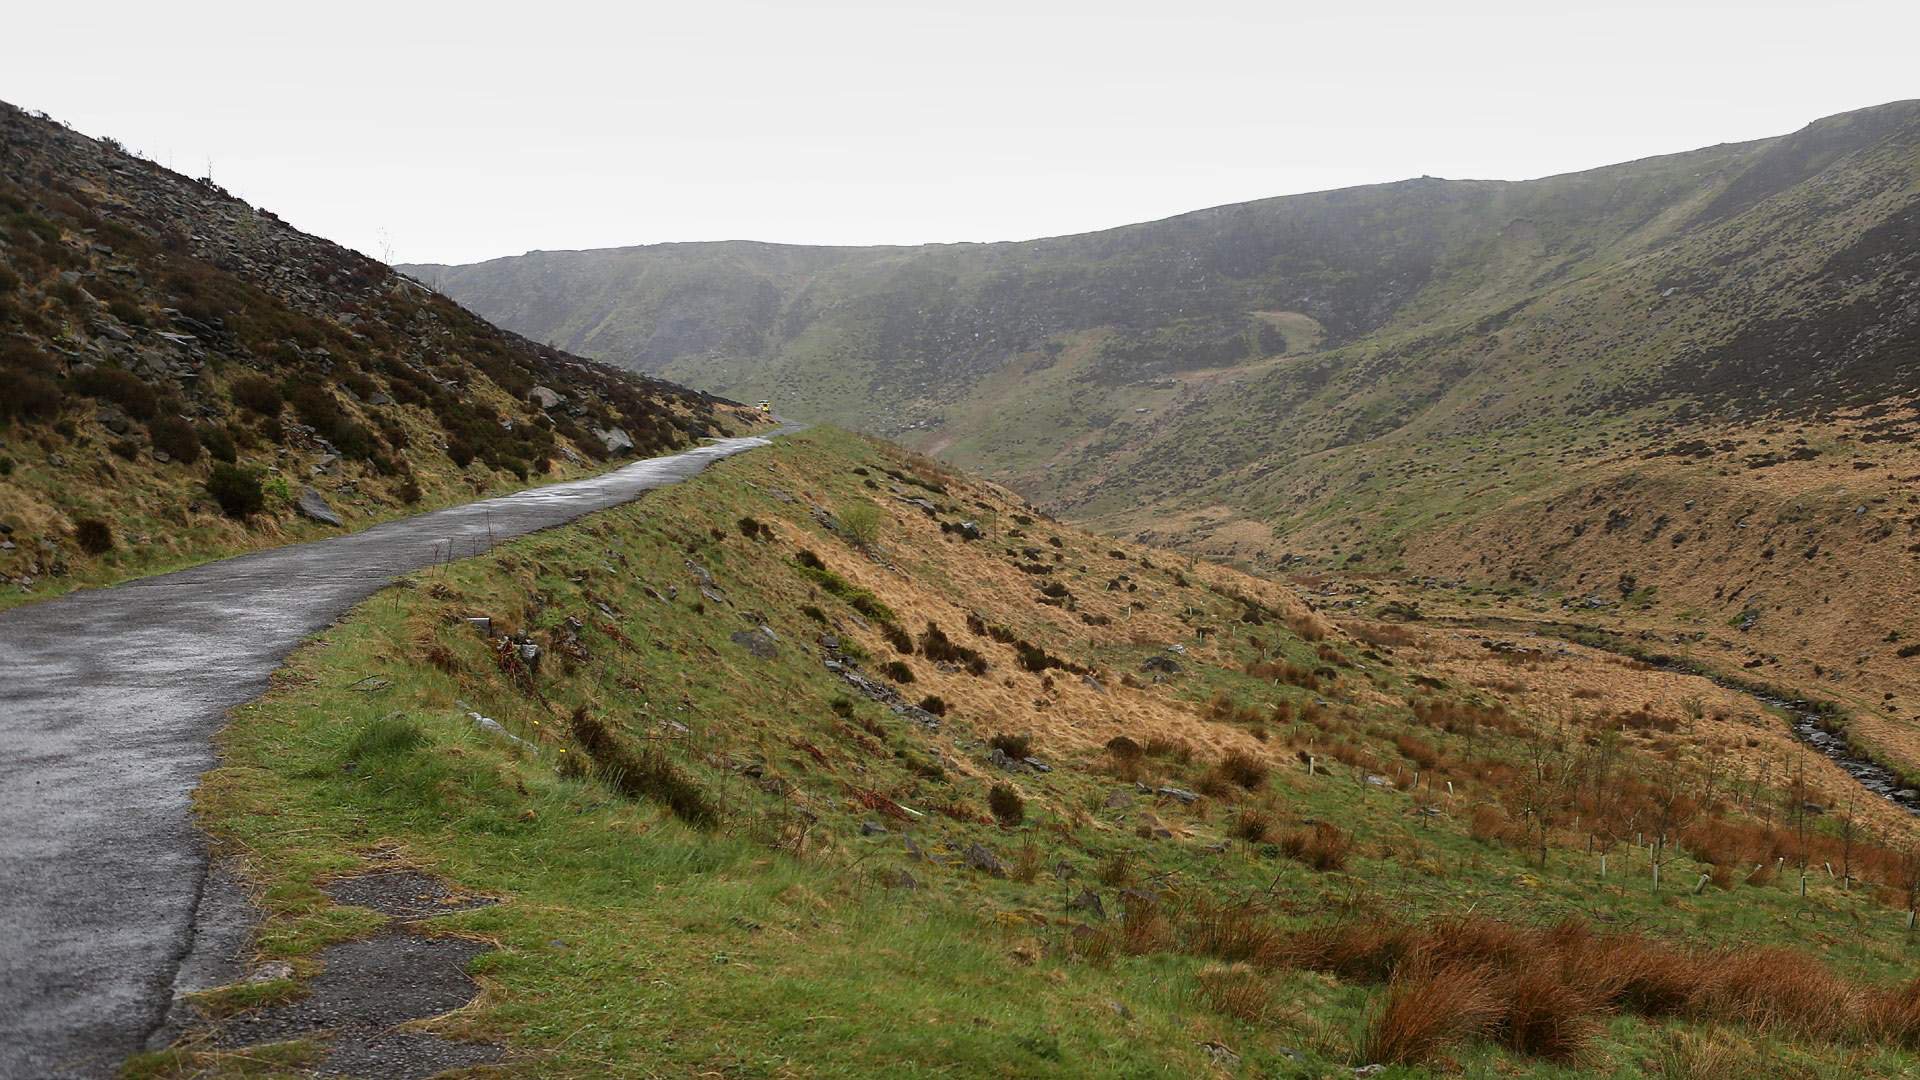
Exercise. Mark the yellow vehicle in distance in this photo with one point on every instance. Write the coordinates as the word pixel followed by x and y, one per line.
pixel 767 407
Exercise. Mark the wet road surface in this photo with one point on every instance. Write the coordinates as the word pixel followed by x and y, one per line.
pixel 108 703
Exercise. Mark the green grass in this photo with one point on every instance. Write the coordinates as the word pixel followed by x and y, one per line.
pixel 632 943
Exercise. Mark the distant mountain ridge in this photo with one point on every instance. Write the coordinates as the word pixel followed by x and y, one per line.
pixel 1183 362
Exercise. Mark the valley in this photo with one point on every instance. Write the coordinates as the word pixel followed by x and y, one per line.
pixel 1687 385
pixel 1434 628
pixel 1062 826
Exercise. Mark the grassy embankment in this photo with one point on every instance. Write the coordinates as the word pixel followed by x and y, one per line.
pixel 687 886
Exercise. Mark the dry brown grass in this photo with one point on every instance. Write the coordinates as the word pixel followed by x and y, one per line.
pixel 1426 1011
pixel 1308 625
pixel 1381 634
pixel 1281 671
pixel 1417 750
pixel 1237 990
pixel 1232 932
pixel 1251 825
pixel 1243 770
pixel 1027 862
pixel 1491 825
pixel 1322 845
pixel 1545 992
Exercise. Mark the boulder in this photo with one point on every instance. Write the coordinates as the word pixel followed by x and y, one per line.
pixel 545 397
pixel 616 440
pixel 314 506
pixel 758 642
pixel 985 861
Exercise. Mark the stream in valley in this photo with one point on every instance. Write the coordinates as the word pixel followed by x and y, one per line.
pixel 1808 721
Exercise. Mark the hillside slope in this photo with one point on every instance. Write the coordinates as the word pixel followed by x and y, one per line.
pixel 178 369
pixel 1349 314
pixel 834 761
pixel 1468 380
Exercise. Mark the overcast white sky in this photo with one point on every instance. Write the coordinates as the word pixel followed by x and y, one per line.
pixel 456 132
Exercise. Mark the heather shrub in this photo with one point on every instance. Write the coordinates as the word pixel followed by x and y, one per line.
pixel 94 536
pixel 237 490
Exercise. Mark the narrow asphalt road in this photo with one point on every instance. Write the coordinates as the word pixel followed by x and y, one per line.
pixel 108 702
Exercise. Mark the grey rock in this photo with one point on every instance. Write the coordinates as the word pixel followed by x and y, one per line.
pixel 616 440
pixel 314 506
pixel 545 397
pixel 918 715
pixel 492 727
pixel 1088 901
pixel 1180 794
pixel 985 861
pixel 758 642
pixel 872 828
pixel 1164 664
pixel 271 971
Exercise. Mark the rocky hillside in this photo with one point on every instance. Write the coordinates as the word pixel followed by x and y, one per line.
pixel 183 374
